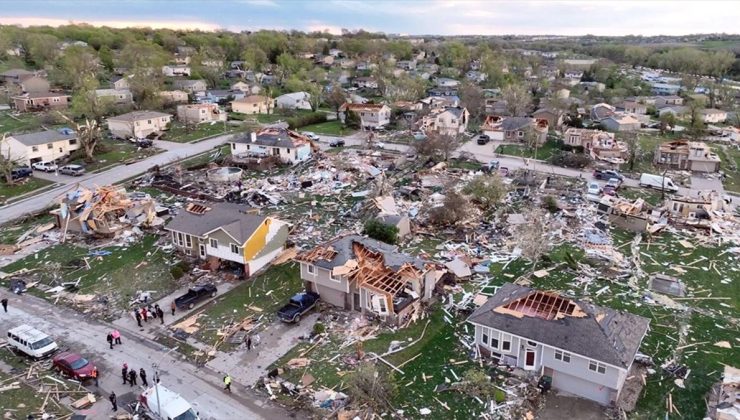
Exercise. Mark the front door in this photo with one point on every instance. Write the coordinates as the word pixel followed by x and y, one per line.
pixel 529 359
pixel 202 249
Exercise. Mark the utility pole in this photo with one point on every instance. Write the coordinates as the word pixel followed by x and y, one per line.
pixel 155 365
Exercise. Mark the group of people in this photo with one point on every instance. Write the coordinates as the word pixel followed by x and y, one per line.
pixel 146 312
pixel 114 337
pixel 129 376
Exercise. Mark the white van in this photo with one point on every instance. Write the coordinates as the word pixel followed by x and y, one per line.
pixel 658 182
pixel 171 405
pixel 31 341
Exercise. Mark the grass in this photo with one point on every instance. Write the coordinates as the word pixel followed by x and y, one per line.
pixel 730 166
pixel 9 234
pixel 129 268
pixel 21 187
pixel 544 152
pixel 207 157
pixel 110 153
pixel 268 291
pixel 329 128
pixel 650 196
pixel 24 401
pixel 269 118
pixel 182 134
pixel 463 164
pixel 21 123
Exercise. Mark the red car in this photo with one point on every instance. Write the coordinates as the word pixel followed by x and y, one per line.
pixel 73 365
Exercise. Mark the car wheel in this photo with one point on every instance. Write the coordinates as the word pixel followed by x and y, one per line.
pixel 297 319
pixel 213 294
pixel 191 305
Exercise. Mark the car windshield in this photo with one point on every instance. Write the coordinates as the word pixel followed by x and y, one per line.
pixel 188 415
pixel 79 363
pixel 42 343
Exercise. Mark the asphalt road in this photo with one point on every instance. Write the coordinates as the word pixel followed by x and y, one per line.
pixel 202 388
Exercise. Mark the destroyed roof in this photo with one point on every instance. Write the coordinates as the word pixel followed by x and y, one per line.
pixel 230 217
pixel 579 327
pixel 138 115
pixel 344 251
pixel 516 123
pixel 273 137
pixel 44 137
pixel 37 95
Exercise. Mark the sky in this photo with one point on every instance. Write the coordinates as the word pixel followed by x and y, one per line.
pixel 408 17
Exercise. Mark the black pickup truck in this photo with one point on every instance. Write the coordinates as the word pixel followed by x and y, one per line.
pixel 298 305
pixel 194 295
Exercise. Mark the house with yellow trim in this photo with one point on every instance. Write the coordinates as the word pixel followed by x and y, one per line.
pixel 231 233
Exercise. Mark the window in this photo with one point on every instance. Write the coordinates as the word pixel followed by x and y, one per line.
pixel 49 146
pixel 484 335
pixel 562 356
pixel 506 342
pixel 179 238
pixel 73 141
pixel 34 148
pixel 596 366
pixel 311 269
pixel 494 339
pixel 149 122
pixel 188 241
pixel 234 249
pixel 520 133
pixel 213 243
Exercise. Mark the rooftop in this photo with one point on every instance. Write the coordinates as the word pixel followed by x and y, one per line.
pixel 199 219
pixel 138 115
pixel 44 137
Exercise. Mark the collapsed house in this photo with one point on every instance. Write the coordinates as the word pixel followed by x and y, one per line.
pixel 586 350
pixel 228 233
pixel 368 276
pixel 288 146
pixel 104 211
pixel 728 403
pixel 625 214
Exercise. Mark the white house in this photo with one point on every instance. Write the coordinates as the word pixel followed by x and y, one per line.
pixel 449 121
pixel 179 70
pixel 371 115
pixel 200 113
pixel 116 96
pixel 43 146
pixel 295 100
pixel 287 145
pixel 138 124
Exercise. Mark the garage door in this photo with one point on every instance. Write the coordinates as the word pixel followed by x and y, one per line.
pixel 581 387
pixel 331 296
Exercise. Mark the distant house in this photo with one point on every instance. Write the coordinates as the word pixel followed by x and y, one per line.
pixel 445 82
pixel 120 83
pixel 253 104
pixel 287 145
pixel 295 100
pixel 365 82
pixel 138 124
pixel 514 129
pixel 216 96
pixel 248 88
pixel 190 86
pixel 174 96
pixel 443 91
pixel 406 64
pixel 16 76
pixel 587 350
pixel 687 155
pixel 632 107
pixel 554 118
pixel 665 89
pixel 451 121
pixel 42 146
pixel 40 101
pixel 116 96
pixel 713 116
pixel 200 113
pixel 228 232
pixel 675 110
pixel 371 115
pixel 621 122
pixel 668 100
pixel 357 273
pixel 476 76
pixel 178 70
pixel 601 112
pixel 34 84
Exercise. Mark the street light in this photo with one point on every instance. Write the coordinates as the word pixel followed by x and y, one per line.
pixel 155 365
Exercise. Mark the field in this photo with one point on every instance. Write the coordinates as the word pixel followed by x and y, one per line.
pixel 18 124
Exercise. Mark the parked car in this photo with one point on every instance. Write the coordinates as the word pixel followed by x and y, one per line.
pixel 32 342
pixel 607 174
pixel 337 143
pixel 21 172
pixel 614 182
pixel 143 143
pixel 610 190
pixel 311 135
pixel 74 170
pixel 45 166
pixel 419 135
pixel 491 166
pixel 504 171
pixel 593 189
pixel 658 182
pixel 72 365
pixel 297 306
pixel 483 139
pixel 161 403
pixel 194 295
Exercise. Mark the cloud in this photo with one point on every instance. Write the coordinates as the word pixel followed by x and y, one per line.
pixel 261 3
pixel 113 23
pixel 323 27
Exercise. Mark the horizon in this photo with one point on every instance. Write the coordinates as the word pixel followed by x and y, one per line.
pixel 405 18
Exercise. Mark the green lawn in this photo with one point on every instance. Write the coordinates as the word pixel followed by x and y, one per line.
pixel 269 118
pixel 730 166
pixel 140 266
pixel 10 233
pixel 650 196
pixel 27 185
pixel 18 124
pixel 268 291
pixel 544 152
pixel 207 157
pixel 25 401
pixel 329 128
pixel 182 134
pixel 110 153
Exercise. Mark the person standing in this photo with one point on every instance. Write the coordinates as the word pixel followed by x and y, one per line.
pixel 145 314
pixel 173 307
pixel 137 315
pixel 142 375
pixel 227 383
pixel 160 314
pixel 4 302
pixel 113 401
pixel 124 373
pixel 249 343
pixel 117 336
pixel 110 340
pixel 132 377
pixel 95 375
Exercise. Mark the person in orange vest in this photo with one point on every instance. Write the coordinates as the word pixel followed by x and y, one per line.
pixel 95 375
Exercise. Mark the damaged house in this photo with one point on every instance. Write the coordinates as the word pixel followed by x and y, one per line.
pixel 587 350
pixel 514 129
pixel 287 145
pixel 227 232
pixel 687 155
pixel 365 275
pixel 599 144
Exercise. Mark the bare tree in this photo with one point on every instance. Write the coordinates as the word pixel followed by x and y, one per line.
pixel 531 236
pixel 437 146
pixel 452 211
pixel 336 98
pixel 7 161
pixel 471 97
pixel 88 134
pixel 369 386
pixel 485 191
pixel 518 99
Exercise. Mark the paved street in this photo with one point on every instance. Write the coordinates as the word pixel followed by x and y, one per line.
pixel 201 387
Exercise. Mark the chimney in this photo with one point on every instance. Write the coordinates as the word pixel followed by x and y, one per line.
pixel 253 136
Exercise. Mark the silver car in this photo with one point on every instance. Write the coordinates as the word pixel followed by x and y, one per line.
pixel 73 170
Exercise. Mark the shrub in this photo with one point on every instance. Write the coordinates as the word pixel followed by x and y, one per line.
pixel 376 229
pixel 570 160
pixel 303 120
pixel 318 328
pixel 551 204
pixel 178 270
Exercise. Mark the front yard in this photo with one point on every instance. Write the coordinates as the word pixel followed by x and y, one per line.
pixel 181 133
pixel 544 152
pixel 7 192
pixel 111 153
pixel 329 128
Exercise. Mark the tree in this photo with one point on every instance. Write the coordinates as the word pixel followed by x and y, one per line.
pixel 77 65
pixel 336 98
pixel 485 191
pixel 478 384
pixel 437 146
pixel 696 121
pixel 41 49
pixel 518 99
pixel 7 161
pixel 254 58
pixel 143 57
pixel 471 97
pixel 86 104
pixel 454 209
pixel 632 142
pixel 383 232
pixel 88 134
pixel 369 386
pixel 455 54
pixel 532 236
pixel 667 122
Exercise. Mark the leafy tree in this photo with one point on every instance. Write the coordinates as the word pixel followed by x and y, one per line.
pixel 453 210
pixel 477 383
pixel 254 58
pixel 471 97
pixel 352 120
pixel 143 56
pixel 667 121
pixel 485 191
pixel 106 58
pixel 530 235
pixel 41 49
pixel 455 54
pixel 76 65
pixel 696 122
pixel 518 99
pixel 88 134
pixel 336 98
pixel 86 104
pixel 376 229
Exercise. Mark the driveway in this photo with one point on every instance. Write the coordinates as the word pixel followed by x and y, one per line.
pixel 201 387
pixel 565 407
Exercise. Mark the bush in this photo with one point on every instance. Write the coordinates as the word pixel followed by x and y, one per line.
pixel 570 160
pixel 178 270
pixel 551 204
pixel 380 231
pixel 303 120
pixel 318 328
